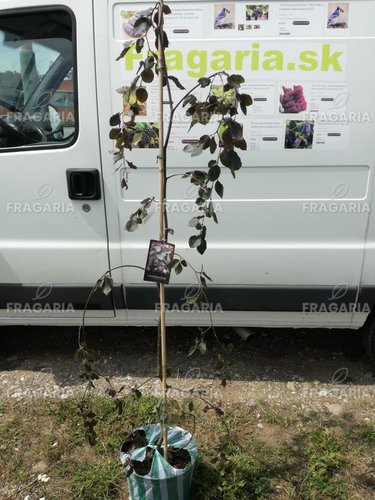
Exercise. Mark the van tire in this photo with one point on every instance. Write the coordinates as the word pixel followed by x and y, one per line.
pixel 368 338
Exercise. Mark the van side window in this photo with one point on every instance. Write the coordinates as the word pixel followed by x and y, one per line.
pixel 38 95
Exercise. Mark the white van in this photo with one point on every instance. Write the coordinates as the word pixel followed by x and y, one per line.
pixel 296 235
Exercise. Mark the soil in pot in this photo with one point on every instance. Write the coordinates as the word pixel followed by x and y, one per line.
pixel 178 458
pixel 144 467
pixel 136 439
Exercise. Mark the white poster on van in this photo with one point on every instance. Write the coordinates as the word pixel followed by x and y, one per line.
pixel 264 134
pixel 301 18
pixel 185 20
pixel 241 20
pixel 331 136
pixel 328 97
pixel 151 106
pixel 264 97
pixel 261 60
pixel 309 19
pixel 296 133
pixel 181 136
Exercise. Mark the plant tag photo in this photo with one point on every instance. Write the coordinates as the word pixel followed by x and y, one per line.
pixel 159 261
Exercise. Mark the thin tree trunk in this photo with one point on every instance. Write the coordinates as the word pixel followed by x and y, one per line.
pixel 162 166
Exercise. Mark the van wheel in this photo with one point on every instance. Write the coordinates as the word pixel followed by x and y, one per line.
pixel 368 338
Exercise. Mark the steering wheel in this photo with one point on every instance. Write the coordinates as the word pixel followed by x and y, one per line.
pixel 33 132
pixel 29 133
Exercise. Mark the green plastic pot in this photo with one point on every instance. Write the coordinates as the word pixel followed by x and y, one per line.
pixel 163 482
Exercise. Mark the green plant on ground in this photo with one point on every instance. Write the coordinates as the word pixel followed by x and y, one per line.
pixel 95 480
pixel 9 432
pixel 275 417
pixel 368 434
pixel 324 456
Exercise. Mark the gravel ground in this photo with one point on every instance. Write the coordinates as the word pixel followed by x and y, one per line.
pixel 305 369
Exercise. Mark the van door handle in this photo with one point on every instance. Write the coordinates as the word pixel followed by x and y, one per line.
pixel 83 184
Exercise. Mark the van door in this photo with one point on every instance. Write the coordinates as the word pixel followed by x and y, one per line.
pixel 53 242
pixel 292 225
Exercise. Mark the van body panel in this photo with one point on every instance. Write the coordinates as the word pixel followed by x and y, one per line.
pixel 48 239
pixel 295 238
pixel 293 220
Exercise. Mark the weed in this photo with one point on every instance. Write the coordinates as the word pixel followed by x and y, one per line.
pixel 9 432
pixel 368 434
pixel 324 457
pixel 286 451
pixel 276 418
pixel 95 480
pixel 245 477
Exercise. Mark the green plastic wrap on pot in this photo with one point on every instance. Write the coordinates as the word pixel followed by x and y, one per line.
pixel 163 482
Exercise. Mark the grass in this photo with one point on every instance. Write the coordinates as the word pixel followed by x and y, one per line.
pixel 9 436
pixel 276 418
pixel 293 456
pixel 95 480
pixel 325 456
pixel 368 434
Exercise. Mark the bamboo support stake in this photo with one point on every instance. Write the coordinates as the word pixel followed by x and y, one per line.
pixel 163 340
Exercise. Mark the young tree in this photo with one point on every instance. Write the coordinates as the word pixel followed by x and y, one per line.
pixel 222 144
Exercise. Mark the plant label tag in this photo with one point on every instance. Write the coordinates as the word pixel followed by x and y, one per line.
pixel 159 261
